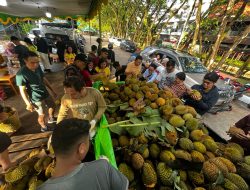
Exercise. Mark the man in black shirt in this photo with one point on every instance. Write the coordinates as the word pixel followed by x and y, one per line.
pixel 43 49
pixel 20 50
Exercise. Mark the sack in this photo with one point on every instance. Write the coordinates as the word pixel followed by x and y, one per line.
pixel 72 70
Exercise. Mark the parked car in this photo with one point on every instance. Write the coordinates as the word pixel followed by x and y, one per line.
pixel 117 42
pixel 128 45
pixel 185 62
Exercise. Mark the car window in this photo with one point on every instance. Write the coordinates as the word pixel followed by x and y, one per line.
pixel 146 50
pixel 192 65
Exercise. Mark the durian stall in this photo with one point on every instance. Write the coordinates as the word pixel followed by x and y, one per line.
pixel 158 143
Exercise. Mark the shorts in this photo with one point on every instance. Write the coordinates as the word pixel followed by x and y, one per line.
pixel 40 106
pixel 5 142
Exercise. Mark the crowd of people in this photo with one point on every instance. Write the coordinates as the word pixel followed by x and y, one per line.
pixel 71 137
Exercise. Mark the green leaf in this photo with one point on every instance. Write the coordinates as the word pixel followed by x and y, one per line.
pixel 117 130
pixel 168 126
pixel 111 109
pixel 130 114
pixel 163 130
pixel 135 120
pixel 135 130
pixel 124 106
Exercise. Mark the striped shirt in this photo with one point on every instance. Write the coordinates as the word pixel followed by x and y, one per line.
pixel 178 89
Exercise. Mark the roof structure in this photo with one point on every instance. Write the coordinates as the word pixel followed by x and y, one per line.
pixel 21 10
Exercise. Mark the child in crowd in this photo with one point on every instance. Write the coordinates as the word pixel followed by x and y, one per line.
pixel 178 87
pixel 150 74
pixel 103 68
pixel 69 56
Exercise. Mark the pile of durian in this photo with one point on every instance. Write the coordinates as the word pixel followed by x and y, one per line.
pixel 30 173
pixel 180 155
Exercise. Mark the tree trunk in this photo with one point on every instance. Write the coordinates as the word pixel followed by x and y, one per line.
pixel 220 34
pixel 200 47
pixel 197 28
pixel 242 68
pixel 185 24
pixel 237 41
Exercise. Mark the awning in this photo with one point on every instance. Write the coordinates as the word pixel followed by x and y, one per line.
pixel 23 10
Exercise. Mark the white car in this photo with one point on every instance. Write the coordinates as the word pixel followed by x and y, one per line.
pixel 112 39
pixel 117 42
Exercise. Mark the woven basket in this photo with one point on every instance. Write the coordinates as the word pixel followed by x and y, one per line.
pixel 12 123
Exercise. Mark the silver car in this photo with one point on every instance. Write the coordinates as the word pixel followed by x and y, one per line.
pixel 184 62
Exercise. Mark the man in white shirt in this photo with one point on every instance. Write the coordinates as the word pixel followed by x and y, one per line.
pixel 162 66
pixel 167 78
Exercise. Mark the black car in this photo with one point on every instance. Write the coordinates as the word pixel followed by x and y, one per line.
pixel 128 45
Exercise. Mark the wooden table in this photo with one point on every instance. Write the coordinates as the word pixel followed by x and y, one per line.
pixel 9 79
pixel 22 145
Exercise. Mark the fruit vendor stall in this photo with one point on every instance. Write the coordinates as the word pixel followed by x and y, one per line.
pixel 159 143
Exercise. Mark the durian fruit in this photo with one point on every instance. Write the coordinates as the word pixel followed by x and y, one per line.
pixel 39 164
pixel 135 88
pixel 192 124
pixel 167 156
pixel 153 105
pixel 164 172
pixel 182 154
pixel 247 159
pixel 137 161
pixel 46 162
pixel 230 166
pixel 115 143
pixel 50 169
pixel 183 175
pixel 147 102
pixel 176 102
pixel 217 187
pixel 123 141
pixel 127 171
pixel 196 135
pixel 17 173
pixel 153 97
pixel 21 184
pixel 220 165
pixel 199 188
pixel 183 185
pixel 132 102
pixel 171 137
pixel 210 145
pixel 208 155
pixel 114 96
pixel 196 177
pixel 145 153
pixel 200 147
pixel 196 93
pixel 230 185
pixel 148 95
pixel 160 101
pixel 236 146
pixel 181 109
pixel 233 154
pixel 192 111
pixel 211 171
pixel 243 170
pixel 128 91
pixel 197 156
pixel 154 150
pixel 33 183
pixel 142 139
pixel 139 95
pixel 34 152
pixel 149 176
pixel 187 116
pixel 238 181
pixel 186 144
pixel 176 121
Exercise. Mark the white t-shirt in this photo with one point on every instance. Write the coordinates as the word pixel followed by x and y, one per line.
pixel 161 69
pixel 166 79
